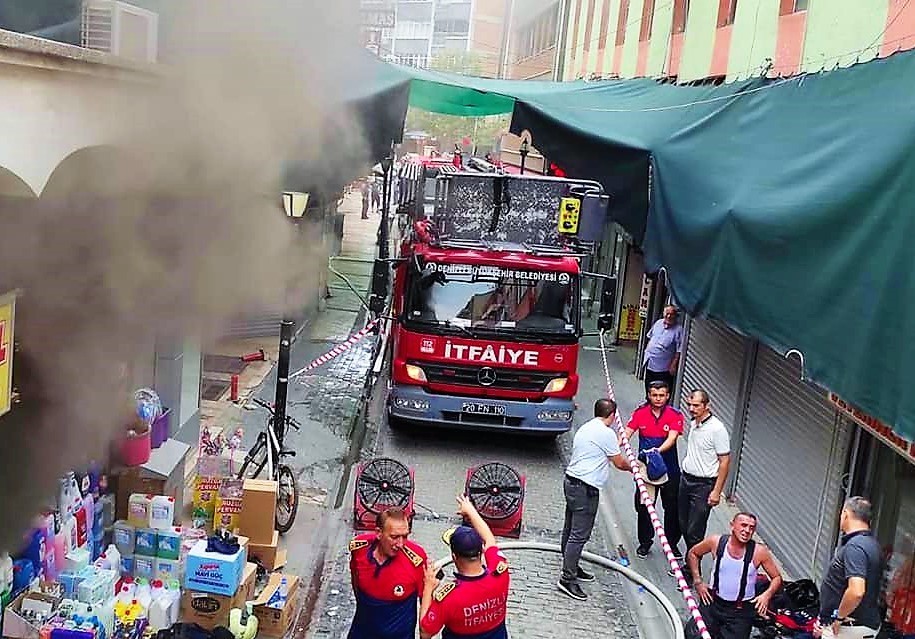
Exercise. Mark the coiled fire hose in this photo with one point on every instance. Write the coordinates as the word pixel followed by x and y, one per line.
pixel 669 608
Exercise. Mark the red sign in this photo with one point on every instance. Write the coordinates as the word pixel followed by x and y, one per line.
pixel 3 342
pixel 877 428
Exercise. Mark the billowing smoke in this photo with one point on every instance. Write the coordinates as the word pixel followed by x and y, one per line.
pixel 173 226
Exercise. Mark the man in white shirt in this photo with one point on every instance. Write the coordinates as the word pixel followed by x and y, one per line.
pixel 703 470
pixel 594 448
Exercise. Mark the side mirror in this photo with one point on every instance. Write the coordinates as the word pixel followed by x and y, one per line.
pixel 381 278
pixel 607 304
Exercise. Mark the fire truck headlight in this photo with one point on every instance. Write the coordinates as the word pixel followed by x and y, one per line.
pixel 555 385
pixel 554 415
pixel 417 374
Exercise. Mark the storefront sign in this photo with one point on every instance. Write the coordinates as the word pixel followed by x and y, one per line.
pixel 485 273
pixel 7 316
pixel 644 297
pixel 874 426
pixel 630 324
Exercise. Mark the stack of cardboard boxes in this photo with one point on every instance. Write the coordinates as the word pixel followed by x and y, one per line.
pixel 256 522
pixel 214 583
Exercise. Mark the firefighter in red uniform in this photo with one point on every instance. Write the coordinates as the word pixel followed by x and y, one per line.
pixel 473 606
pixel 388 575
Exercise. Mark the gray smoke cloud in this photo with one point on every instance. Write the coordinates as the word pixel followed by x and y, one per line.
pixel 172 226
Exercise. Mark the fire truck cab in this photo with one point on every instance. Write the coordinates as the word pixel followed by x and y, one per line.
pixel 487 303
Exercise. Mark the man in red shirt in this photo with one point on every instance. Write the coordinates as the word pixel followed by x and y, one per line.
pixel 659 426
pixel 388 572
pixel 473 606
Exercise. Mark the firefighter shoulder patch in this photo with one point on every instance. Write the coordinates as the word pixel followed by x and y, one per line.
pixel 501 567
pixel 412 555
pixel 443 591
pixel 358 544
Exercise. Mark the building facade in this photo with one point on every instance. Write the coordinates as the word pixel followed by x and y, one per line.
pixel 534 40
pixel 724 40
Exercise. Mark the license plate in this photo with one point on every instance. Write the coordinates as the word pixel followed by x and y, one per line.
pixel 474 408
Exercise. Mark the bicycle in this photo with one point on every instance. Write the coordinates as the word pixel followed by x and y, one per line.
pixel 287 495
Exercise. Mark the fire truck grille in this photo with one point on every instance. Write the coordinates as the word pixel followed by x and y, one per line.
pixel 501 378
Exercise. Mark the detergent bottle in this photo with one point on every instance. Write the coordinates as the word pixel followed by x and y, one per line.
pixel 161 512
pixel 6 573
pixel 144 593
pixel 138 507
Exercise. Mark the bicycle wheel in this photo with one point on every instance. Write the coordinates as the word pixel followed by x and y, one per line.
pixel 287 498
pixel 255 460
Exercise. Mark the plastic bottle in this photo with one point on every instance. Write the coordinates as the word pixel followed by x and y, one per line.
pixel 169 543
pixel 144 593
pixel 166 569
pixel 6 573
pixel 278 599
pixel 162 512
pixel 623 557
pixel 146 542
pixel 125 537
pixel 138 507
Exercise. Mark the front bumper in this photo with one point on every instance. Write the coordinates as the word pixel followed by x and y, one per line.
pixel 414 405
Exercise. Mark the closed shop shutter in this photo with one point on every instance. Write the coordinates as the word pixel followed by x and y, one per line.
pixel 263 325
pixel 715 357
pixel 791 464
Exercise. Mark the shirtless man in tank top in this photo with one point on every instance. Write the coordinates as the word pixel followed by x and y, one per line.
pixel 729 600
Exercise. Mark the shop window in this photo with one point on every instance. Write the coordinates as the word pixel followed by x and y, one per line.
pixel 792 6
pixel 647 20
pixel 622 22
pixel 727 12
pixel 888 481
pixel 681 13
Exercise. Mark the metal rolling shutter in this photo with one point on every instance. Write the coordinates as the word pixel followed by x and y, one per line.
pixel 791 464
pixel 714 362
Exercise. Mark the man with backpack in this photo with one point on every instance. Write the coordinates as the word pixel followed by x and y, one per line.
pixel 729 601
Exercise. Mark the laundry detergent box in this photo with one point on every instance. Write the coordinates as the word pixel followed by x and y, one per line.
pixel 215 572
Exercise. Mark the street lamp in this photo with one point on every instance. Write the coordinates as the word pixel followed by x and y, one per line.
pixel 294 205
pixel 524 149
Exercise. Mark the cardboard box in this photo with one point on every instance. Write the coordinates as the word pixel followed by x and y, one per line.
pixel 15 625
pixel 163 474
pixel 211 610
pixel 258 512
pixel 213 572
pixel 274 622
pixel 269 555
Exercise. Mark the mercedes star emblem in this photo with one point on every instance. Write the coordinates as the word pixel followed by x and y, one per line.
pixel 486 376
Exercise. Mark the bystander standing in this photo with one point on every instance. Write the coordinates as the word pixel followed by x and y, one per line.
pixel 594 447
pixel 849 596
pixel 662 353
pixel 704 468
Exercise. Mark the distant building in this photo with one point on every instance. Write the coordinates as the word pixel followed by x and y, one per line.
pixel 534 39
pixel 723 40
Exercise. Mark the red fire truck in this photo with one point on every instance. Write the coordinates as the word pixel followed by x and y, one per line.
pixel 487 301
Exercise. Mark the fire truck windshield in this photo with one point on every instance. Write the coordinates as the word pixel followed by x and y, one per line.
pixel 492 298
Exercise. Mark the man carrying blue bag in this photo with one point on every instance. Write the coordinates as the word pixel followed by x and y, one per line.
pixel 659 426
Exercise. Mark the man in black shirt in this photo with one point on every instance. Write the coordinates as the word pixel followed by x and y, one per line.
pixel 849 595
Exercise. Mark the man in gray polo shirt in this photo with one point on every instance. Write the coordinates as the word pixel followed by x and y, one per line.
pixel 662 353
pixel 703 470
pixel 594 448
pixel 849 596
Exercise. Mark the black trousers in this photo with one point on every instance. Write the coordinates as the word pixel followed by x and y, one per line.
pixel 727 619
pixel 582 502
pixel 670 494
pixel 653 376
pixel 694 509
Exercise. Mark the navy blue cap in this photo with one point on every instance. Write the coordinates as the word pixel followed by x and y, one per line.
pixel 464 541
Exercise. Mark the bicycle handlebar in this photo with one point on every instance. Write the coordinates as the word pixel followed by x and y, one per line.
pixel 290 420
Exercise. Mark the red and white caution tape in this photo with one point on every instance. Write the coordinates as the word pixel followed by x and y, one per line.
pixel 337 350
pixel 691 603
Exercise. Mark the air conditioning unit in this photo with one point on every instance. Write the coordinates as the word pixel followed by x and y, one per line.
pixel 121 29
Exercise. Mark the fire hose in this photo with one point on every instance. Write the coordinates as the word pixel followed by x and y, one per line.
pixel 669 608
pixel 648 502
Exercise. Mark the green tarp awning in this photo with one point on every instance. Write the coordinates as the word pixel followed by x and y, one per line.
pixel 783 207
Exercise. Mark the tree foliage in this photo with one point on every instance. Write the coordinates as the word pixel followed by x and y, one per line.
pixel 449 130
